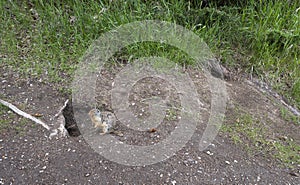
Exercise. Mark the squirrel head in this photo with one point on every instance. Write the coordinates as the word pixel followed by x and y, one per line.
pixel 95 112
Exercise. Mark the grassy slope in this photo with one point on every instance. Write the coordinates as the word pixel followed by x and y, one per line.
pixel 41 38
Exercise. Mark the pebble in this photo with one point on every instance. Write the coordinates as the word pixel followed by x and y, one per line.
pixel 209 153
pixel 258 178
pixel 295 174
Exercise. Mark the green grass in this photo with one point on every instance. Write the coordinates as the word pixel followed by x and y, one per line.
pixel 254 136
pixel 289 117
pixel 171 114
pixel 246 130
pixel 41 38
pixel 4 123
pixel 7 124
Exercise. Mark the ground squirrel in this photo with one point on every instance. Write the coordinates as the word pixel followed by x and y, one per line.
pixel 105 121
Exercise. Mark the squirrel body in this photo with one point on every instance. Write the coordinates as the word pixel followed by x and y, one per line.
pixel 105 121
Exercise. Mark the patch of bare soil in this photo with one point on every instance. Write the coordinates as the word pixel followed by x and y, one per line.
pixel 33 158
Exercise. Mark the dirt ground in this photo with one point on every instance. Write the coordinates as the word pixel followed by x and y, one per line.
pixel 28 156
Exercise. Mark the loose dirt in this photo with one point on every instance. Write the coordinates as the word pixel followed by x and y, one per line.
pixel 28 156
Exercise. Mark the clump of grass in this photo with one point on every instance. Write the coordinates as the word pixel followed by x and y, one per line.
pixel 6 121
pixel 248 131
pixel 253 135
pixel 4 124
pixel 289 117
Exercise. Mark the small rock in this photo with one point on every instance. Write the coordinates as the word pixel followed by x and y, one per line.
pixel 87 174
pixel 185 162
pixel 295 174
pixel 209 153
pixel 190 160
pixel 283 138
pixel 258 178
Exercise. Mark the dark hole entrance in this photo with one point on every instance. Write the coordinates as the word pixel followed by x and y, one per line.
pixel 71 124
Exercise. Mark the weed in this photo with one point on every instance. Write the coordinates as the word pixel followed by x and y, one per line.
pixel 171 114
